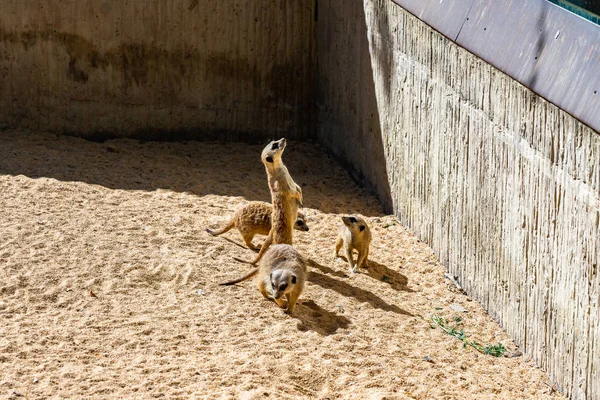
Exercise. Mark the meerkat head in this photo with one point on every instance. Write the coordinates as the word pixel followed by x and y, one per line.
pixel 355 224
pixel 271 154
pixel 282 282
pixel 301 223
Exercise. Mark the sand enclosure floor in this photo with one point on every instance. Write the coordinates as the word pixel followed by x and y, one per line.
pixel 109 285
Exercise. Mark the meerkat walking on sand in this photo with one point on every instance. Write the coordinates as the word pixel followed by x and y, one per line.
pixel 254 218
pixel 354 234
pixel 281 272
pixel 286 197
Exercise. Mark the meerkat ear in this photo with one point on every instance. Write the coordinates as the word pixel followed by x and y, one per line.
pixel 269 159
pixel 294 279
pixel 362 228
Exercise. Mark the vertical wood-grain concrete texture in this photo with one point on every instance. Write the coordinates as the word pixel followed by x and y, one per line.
pixel 503 185
pixel 164 68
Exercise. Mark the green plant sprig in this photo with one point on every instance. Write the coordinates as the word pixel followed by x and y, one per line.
pixel 493 350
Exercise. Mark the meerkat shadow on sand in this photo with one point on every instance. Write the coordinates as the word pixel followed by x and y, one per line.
pixel 326 270
pixel 312 317
pixel 345 289
pixel 375 270
pixel 395 279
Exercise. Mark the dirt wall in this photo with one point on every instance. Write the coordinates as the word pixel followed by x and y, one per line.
pixel 169 69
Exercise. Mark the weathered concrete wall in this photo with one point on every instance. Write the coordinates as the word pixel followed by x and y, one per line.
pixel 166 68
pixel 503 185
pixel 348 122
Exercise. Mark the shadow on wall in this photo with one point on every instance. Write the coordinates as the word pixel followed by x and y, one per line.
pixel 348 120
pixel 199 168
pixel 222 70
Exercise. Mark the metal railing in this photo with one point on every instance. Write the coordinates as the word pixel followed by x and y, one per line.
pixel 589 10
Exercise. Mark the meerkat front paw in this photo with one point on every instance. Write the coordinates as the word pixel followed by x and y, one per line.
pixel 281 303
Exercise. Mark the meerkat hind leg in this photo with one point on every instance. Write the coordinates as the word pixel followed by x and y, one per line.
pixel 366 260
pixel 264 247
pixel 248 240
pixel 350 259
pixel 338 245
pixel 362 259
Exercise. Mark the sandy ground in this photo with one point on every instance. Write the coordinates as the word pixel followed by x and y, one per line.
pixel 109 285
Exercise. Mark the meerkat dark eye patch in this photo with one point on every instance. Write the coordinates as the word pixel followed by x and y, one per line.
pixel 275 146
pixel 352 219
pixel 269 159
pixel 362 228
pixel 282 287
pixel 300 223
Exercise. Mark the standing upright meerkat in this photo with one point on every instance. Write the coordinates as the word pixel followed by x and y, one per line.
pixel 254 218
pixel 281 272
pixel 354 234
pixel 286 197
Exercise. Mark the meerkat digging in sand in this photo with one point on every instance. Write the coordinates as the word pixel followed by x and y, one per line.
pixel 282 271
pixel 354 234
pixel 255 219
pixel 286 197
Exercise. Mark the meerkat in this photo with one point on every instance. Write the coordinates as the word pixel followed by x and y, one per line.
pixel 282 271
pixel 286 197
pixel 354 234
pixel 254 218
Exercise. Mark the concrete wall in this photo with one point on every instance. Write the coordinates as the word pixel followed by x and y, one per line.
pixel 348 121
pixel 502 184
pixel 165 68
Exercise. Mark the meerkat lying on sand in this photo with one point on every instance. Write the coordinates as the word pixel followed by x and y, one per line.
pixel 282 271
pixel 286 197
pixel 354 234
pixel 255 219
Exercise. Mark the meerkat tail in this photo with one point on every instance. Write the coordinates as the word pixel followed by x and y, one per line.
pixel 244 261
pixel 256 260
pixel 243 278
pixel 224 229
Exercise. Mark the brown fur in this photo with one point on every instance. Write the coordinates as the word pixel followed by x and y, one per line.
pixel 286 197
pixel 354 235
pixel 255 219
pixel 282 271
